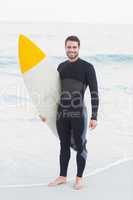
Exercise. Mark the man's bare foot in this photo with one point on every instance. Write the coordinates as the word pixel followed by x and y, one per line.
pixel 78 183
pixel 58 181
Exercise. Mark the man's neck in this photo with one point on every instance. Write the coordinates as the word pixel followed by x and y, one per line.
pixel 73 60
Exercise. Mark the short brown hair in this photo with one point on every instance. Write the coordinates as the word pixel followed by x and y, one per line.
pixel 73 38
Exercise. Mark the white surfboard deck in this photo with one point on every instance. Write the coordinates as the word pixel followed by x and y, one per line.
pixel 41 79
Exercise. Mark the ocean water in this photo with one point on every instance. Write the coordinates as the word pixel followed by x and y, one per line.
pixel 21 133
pixel 114 73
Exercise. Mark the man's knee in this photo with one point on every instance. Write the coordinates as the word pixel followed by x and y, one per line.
pixel 65 145
pixel 82 151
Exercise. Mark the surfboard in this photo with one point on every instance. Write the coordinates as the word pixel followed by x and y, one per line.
pixel 41 79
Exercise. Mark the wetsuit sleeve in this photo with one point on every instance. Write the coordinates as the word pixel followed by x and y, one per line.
pixel 59 68
pixel 93 86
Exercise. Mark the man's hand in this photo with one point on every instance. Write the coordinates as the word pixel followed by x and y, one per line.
pixel 93 123
pixel 43 118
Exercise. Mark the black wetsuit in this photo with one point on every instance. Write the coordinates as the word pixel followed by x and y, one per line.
pixel 71 121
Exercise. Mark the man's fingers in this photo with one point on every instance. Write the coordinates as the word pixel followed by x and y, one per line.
pixel 92 125
pixel 43 118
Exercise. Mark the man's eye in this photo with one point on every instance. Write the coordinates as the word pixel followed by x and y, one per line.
pixel 74 47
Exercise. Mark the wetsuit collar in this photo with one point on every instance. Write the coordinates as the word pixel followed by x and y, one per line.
pixel 74 62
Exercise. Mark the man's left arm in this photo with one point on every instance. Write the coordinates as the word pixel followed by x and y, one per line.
pixel 93 86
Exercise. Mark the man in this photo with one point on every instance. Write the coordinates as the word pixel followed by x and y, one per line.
pixel 75 75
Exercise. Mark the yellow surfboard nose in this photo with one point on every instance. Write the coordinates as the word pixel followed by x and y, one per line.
pixel 29 54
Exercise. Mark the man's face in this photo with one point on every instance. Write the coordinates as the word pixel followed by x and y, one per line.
pixel 72 49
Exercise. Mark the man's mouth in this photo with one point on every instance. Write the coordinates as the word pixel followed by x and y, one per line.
pixel 72 53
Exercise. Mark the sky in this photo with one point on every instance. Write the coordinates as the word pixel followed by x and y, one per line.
pixel 103 11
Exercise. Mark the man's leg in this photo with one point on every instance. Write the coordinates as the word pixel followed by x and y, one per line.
pixel 79 126
pixel 63 128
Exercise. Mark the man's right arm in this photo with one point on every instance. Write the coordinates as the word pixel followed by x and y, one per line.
pixel 59 68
